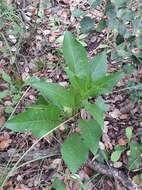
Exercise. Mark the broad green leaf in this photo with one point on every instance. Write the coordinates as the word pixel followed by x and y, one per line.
pixel 3 94
pixel 56 93
pixel 38 120
pixel 97 110
pixel 87 24
pixel 58 185
pixel 91 133
pixel 74 152
pixel 129 133
pixel 80 86
pixel 101 104
pixel 115 156
pixel 6 77
pixel 97 113
pixel 105 84
pixel 99 65
pixel 75 56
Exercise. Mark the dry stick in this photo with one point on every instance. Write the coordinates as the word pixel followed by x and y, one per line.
pixel 137 87
pixel 31 155
pixel 36 142
pixel 109 171
pixel 118 175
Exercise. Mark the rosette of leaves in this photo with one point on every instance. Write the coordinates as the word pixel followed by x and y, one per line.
pixel 86 80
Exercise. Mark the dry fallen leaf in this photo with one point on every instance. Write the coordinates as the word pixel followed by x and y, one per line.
pixel 21 187
pixel 4 141
pixel 2 121
pixel 124 116
pixel 117 164
pixel 107 142
pixel 53 36
pixel 127 107
pixel 8 184
pixel 56 163
pixel 122 142
pixel 115 113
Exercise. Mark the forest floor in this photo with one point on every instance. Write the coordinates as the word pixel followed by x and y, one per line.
pixel 38 52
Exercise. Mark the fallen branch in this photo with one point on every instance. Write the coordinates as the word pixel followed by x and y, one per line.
pixel 109 171
pixel 118 175
pixel 14 156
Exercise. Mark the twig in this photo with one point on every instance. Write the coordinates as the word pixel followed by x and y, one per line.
pixel 116 174
pixel 30 156
pixel 109 171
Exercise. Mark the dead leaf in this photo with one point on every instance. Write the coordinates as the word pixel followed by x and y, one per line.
pixel 5 143
pixel 122 141
pixel 124 116
pixel 53 36
pixel 2 121
pixel 56 163
pixel 106 141
pixel 117 164
pixel 127 107
pixel 21 187
pixel 8 184
pixel 115 113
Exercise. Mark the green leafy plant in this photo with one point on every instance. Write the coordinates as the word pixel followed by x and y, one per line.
pixel 86 80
